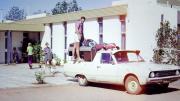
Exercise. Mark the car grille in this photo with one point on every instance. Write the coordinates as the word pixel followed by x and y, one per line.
pixel 165 73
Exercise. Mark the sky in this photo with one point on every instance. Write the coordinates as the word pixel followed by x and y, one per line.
pixel 31 6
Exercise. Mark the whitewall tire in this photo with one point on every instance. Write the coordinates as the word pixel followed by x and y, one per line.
pixel 82 81
pixel 132 85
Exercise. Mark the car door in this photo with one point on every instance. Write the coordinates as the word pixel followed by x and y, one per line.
pixel 106 69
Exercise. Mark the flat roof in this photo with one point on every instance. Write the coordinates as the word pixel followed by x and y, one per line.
pixel 103 12
pixel 37 24
pixel 171 2
pixel 21 27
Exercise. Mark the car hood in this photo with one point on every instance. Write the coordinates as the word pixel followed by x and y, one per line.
pixel 153 66
pixel 159 67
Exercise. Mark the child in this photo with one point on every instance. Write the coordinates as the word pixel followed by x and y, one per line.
pixel 15 55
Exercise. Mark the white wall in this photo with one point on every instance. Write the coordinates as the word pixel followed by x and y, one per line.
pixel 91 29
pixel 112 30
pixel 46 36
pixel 58 40
pixel 112 33
pixel 143 20
pixel 70 32
pixel 17 38
pixel 2 47
pixel 42 35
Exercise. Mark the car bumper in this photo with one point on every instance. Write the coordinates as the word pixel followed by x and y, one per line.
pixel 163 79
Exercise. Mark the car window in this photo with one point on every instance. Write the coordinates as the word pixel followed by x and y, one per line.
pixel 121 57
pixel 124 56
pixel 106 58
pixel 133 57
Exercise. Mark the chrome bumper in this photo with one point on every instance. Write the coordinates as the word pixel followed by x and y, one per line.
pixel 163 79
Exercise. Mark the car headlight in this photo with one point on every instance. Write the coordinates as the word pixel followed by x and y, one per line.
pixel 152 75
pixel 177 72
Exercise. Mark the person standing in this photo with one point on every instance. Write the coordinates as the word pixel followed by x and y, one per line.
pixel 15 55
pixel 48 54
pixel 78 37
pixel 30 54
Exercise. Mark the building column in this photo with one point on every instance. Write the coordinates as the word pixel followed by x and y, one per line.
pixel 123 31
pixel 100 22
pixel 65 40
pixel 9 46
pixel 51 34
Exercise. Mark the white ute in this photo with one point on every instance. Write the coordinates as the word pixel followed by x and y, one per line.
pixel 123 67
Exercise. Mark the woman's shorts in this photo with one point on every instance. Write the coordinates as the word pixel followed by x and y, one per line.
pixel 77 37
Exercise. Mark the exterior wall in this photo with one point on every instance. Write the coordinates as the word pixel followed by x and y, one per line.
pixel 58 40
pixel 143 20
pixel 2 47
pixel 17 38
pixel 70 32
pixel 46 37
pixel 91 30
pixel 112 30
pixel 41 35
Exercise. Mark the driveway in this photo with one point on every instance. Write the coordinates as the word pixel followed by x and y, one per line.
pixel 19 75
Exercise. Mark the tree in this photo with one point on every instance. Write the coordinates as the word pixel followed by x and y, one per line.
pixel 15 14
pixel 167 45
pixel 65 7
pixel 74 6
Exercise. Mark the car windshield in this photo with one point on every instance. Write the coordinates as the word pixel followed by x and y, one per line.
pixel 128 56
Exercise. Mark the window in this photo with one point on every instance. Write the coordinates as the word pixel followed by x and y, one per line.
pixel 121 57
pixel 132 57
pixel 106 58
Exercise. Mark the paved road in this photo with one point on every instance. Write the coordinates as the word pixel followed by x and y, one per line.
pixel 94 92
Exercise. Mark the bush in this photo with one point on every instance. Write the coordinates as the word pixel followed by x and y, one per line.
pixel 166 51
pixel 40 75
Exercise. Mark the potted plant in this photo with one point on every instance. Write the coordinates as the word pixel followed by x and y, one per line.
pixel 57 59
pixel 40 75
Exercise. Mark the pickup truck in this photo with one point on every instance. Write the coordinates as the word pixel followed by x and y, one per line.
pixel 123 67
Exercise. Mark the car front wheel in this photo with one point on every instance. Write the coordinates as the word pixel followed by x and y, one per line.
pixel 132 85
pixel 82 80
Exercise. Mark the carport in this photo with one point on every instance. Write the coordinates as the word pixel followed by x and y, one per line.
pixel 13 34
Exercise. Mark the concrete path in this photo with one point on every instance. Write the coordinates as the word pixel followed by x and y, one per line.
pixel 19 75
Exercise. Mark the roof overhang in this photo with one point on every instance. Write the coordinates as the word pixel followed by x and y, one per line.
pixel 95 13
pixel 21 27
pixel 37 24
pixel 171 2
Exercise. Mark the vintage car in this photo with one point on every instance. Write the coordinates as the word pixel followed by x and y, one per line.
pixel 123 67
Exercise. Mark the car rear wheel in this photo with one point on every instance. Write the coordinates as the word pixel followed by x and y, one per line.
pixel 82 80
pixel 132 85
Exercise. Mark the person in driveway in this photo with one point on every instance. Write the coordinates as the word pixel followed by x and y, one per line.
pixel 30 54
pixel 48 54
